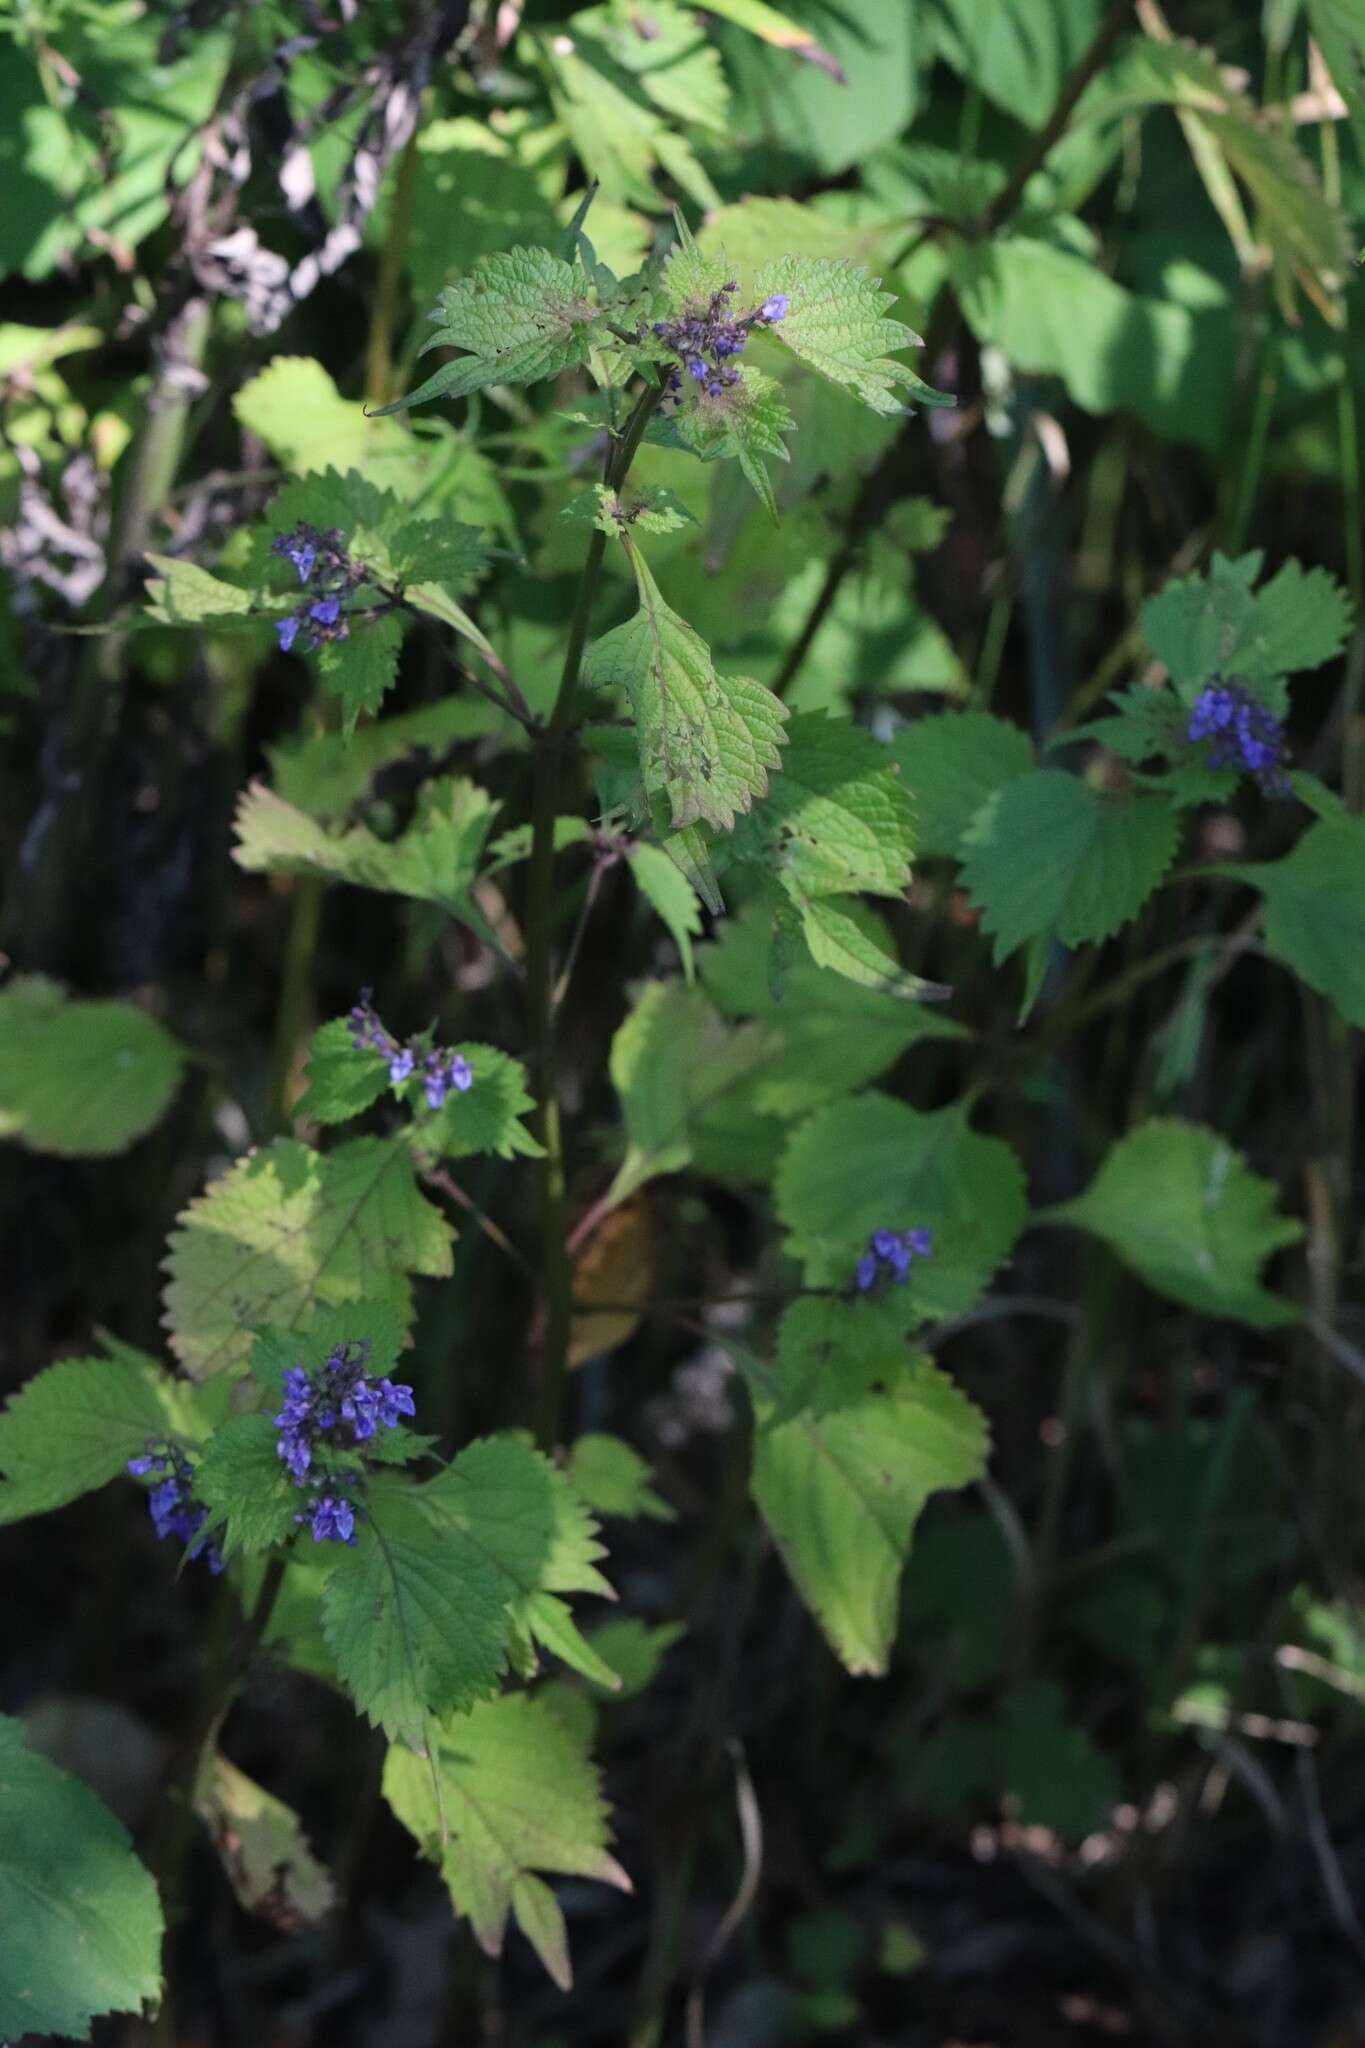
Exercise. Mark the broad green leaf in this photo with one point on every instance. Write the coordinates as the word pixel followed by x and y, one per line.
pixel 1015 53
pixel 294 407
pixel 611 89
pixel 852 1435
pixel 519 316
pixel 82 1919
pixel 1303 618
pixel 286 1231
pixel 372 1323
pixel 671 1060
pixel 652 508
pixel 744 424
pixel 1181 1208
pixel 706 741
pixel 380 532
pixel 473 195
pixel 1048 852
pixel 773 27
pixel 328 775
pixel 262 1847
pixel 1051 1766
pixel 360 669
pixel 1054 312
pixel 664 885
pixel 1217 625
pixel 241 1481
pixel 836 321
pixel 435 861
pixel 951 762
pixel 518 1793
pixel 80 1079
pixel 183 594
pixel 74 1426
pixel 874 1163
pixel 635 1651
pixel 838 940
pixel 343 1078
pixel 614 1479
pixel 847 101
pixel 487 1116
pixel 837 819
pixel 1315 910
pixel 415 1616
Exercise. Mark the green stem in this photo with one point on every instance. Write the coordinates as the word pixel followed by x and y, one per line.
pixel 292 1017
pixel 379 347
pixel 556 1262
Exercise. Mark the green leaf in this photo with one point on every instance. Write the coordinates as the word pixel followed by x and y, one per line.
pixel 519 316
pixel 1051 1766
pixel 487 1116
pixel 245 1488
pixel 614 1479
pixel 837 940
pixel 836 819
pixel 852 1435
pixel 837 323
pixel 652 508
pixel 706 741
pixel 374 1323
pixel 742 424
pixel 1053 312
pixel 672 1058
pixel 80 1079
pixel 415 1616
pixel 262 1847
pixel 1303 618
pixel 773 27
pixel 327 775
pixel 74 1427
pixel 360 669
pixel 1215 625
pixel 435 861
pixel 662 882
pixel 81 1915
pixel 635 1651
pixel 294 407
pixel 610 88
pixel 1015 54
pixel 1048 852
pixel 183 594
pixel 1182 1209
pixel 876 1164
pixel 1315 910
pixel 286 1231
pixel 343 1078
pixel 951 762
pixel 517 1793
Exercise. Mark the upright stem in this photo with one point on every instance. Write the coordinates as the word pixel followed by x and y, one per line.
pixel 556 1262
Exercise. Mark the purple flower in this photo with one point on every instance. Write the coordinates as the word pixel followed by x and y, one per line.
pixel 394 1401
pixel 696 367
pixel 288 631
pixel 332 1519
pixel 401 1066
pixel 1242 734
pixel 774 308
pixel 172 1504
pixel 336 1407
pixel 446 1071
pixel 326 611
pixel 890 1254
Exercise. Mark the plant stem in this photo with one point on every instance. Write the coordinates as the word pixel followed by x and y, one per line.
pixel 292 1017
pixel 379 345
pixel 556 1264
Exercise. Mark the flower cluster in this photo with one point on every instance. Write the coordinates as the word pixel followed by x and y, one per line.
pixel 892 1252
pixel 323 563
pixel 705 342
pixel 338 1408
pixel 1242 733
pixel 174 1509
pixel 442 1069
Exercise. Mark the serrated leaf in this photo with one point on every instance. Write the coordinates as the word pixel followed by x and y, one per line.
pixel 520 315
pixel 836 321
pixel 415 1616
pixel 876 1164
pixel 83 1080
pixel 671 1059
pixel 1047 852
pixel 360 669
pixel 294 407
pixel 245 1488
pixel 287 1231
pixel 1315 910
pixel 435 861
pixel 262 1847
pixel 836 819
pixel 634 1651
pixel 744 423
pixel 1303 618
pixel 835 938
pixel 1182 1209
pixel 706 741
pixel 852 1435
pixel 327 775
pixel 662 882
pixel 74 1426
pixel 343 1078
pixel 605 84
pixel 487 1116
pixel 1216 625
pixel 183 594
pixel 373 1323
pixel 81 1915
pixel 951 762
pixel 518 1794
pixel 614 1479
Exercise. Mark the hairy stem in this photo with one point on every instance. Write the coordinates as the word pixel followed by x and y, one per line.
pixel 556 1262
